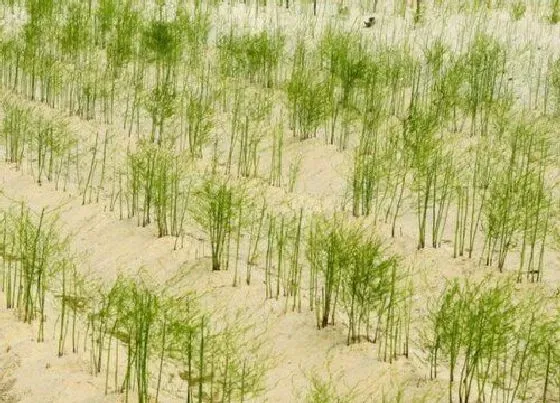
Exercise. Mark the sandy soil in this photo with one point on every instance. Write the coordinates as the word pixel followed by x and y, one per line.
pixel 106 246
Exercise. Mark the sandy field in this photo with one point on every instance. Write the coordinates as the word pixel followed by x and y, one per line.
pixel 107 244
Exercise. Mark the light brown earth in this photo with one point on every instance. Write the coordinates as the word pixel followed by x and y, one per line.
pixel 32 372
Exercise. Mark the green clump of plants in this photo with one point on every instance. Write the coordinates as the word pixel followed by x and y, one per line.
pixel 48 141
pixel 484 68
pixel 355 272
pixel 518 10
pixel 216 207
pixel 554 16
pixel 197 111
pixel 195 28
pixel 308 96
pixel 554 79
pixel 255 56
pixel 157 187
pixel 344 61
pixel 321 391
pixel 518 205
pixel 343 10
pixel 493 340
pixel 32 253
pixel 161 332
